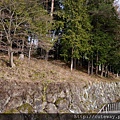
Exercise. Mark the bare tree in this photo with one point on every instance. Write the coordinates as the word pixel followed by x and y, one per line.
pixel 12 21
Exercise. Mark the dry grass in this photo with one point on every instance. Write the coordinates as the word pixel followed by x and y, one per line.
pixel 41 70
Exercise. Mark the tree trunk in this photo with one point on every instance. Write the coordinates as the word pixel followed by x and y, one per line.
pixel 88 67
pixel 117 75
pixel 96 69
pixel 97 64
pixel 92 67
pixel 46 56
pixel 71 63
pixel 22 46
pixel 0 37
pixel 113 72
pixel 29 55
pixel 41 53
pixel 11 59
pixel 81 62
pixel 75 64
pixel 10 54
pixel 106 71
pixel 46 4
pixel 102 70
pixel 52 7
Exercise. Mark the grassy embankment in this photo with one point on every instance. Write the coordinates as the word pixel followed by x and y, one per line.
pixel 41 70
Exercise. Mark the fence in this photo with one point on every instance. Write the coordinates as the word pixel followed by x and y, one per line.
pixel 110 107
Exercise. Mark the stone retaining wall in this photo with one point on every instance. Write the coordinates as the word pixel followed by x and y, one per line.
pixel 16 96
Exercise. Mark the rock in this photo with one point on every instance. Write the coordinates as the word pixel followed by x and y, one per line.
pixel 74 109
pixel 40 107
pixel 25 108
pixel 51 98
pixel 39 102
pixel 15 102
pixel 61 95
pixel 62 104
pixel 21 56
pixel 51 108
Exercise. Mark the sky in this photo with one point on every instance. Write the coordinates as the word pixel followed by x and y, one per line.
pixel 117 2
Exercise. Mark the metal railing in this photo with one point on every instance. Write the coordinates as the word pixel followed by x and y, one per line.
pixel 110 107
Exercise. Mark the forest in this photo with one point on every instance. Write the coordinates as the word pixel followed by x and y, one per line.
pixel 81 33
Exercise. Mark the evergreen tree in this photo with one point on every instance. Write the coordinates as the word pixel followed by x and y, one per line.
pixel 76 29
pixel 104 21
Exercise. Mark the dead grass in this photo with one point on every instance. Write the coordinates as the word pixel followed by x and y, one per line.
pixel 41 70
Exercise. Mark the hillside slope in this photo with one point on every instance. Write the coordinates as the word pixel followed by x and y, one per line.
pixel 41 70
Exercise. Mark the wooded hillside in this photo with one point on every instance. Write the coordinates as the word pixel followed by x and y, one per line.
pixel 82 33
